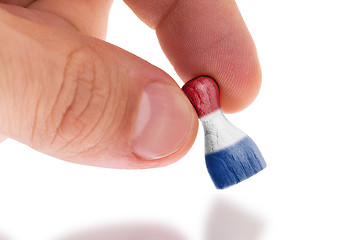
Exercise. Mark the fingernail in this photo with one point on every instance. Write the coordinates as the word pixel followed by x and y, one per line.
pixel 164 122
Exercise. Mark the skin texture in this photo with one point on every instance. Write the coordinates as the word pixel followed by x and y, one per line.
pixel 61 85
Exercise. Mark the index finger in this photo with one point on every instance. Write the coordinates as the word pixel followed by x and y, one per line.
pixel 206 38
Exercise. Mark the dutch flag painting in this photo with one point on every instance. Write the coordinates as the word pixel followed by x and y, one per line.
pixel 231 156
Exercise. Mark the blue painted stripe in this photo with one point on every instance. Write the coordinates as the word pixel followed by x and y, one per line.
pixel 234 163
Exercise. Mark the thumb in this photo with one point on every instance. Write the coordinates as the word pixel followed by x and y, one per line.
pixel 2 138
pixel 80 99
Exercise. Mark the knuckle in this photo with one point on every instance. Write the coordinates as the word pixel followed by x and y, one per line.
pixel 81 100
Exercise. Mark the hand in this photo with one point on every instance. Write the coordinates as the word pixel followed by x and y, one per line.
pixel 66 93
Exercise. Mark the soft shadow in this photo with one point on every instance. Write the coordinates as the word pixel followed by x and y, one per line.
pixel 228 221
pixel 128 232
pixel 2 237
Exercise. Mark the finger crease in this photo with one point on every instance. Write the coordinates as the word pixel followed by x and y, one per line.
pixel 168 12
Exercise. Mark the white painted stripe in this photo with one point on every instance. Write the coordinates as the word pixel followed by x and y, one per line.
pixel 219 132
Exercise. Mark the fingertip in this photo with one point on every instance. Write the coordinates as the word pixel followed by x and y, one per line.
pixel 239 79
pixel 164 124
pixel 240 91
pixel 139 163
pixel 188 143
pixel 212 39
pixel 127 159
pixel 207 38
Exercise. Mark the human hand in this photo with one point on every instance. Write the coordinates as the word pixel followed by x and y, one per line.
pixel 66 93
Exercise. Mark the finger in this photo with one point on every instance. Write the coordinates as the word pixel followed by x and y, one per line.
pixel 87 16
pixel 206 38
pixel 2 138
pixel 80 99
pixel 22 3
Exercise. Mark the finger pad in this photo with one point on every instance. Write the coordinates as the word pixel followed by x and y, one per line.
pixel 211 38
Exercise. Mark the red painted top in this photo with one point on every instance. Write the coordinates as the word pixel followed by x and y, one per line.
pixel 203 92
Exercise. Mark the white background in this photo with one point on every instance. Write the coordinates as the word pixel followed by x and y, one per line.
pixel 295 121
